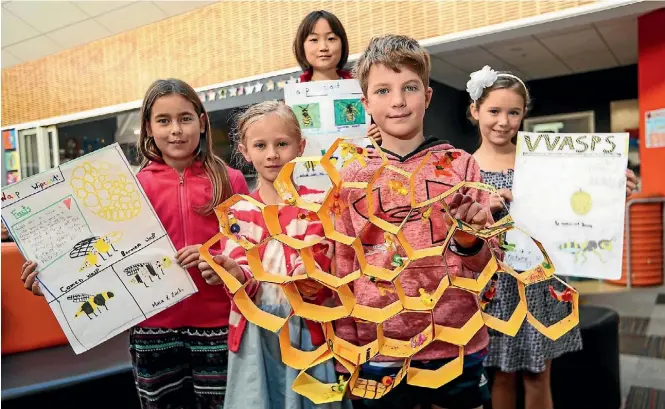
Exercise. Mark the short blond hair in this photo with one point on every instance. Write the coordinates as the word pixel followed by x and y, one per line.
pixel 393 51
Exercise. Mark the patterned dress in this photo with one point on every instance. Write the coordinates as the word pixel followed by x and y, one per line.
pixel 528 350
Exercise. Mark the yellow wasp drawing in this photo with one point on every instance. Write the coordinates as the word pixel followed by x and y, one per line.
pixel 306 118
pixel 311 165
pixel 142 272
pixel 91 303
pixel 94 248
pixel 582 249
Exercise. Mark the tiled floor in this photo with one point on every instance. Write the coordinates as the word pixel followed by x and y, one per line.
pixel 642 342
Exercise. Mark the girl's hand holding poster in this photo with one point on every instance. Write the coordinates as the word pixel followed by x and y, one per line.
pixel 104 259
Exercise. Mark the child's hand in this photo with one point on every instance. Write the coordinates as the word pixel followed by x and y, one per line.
pixel 188 256
pixel 631 182
pixel 374 132
pixel 29 278
pixel 496 202
pixel 227 263
pixel 308 288
pixel 464 208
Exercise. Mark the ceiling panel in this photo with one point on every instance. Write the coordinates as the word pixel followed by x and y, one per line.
pixel 473 59
pixel 554 33
pixel 522 51
pixel 552 68
pixel 15 30
pixel 448 74
pixel 621 21
pixel 34 48
pixel 95 8
pixel 46 16
pixel 619 35
pixel 65 24
pixel 626 55
pixel 575 43
pixel 135 15
pixel 8 59
pixel 70 36
pixel 596 60
pixel 173 8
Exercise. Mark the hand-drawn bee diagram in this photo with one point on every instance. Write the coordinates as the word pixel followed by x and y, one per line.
pixel 90 304
pixel 582 249
pixel 141 273
pixel 94 248
pixel 307 120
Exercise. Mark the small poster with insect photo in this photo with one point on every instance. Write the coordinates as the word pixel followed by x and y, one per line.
pixel 569 193
pixel 326 111
pixel 104 259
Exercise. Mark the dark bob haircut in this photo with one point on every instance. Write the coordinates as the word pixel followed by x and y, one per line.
pixel 305 29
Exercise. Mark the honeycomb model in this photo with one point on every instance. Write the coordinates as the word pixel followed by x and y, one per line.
pixel 106 193
pixel 352 356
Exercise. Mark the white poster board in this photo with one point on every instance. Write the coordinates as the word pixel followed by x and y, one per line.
pixel 326 111
pixel 569 192
pixel 104 259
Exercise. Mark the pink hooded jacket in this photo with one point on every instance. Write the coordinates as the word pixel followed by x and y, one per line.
pixel 455 306
pixel 175 199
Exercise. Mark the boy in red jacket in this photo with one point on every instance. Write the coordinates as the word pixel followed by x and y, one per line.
pixel 394 77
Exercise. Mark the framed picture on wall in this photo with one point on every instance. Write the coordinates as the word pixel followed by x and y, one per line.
pixel 578 122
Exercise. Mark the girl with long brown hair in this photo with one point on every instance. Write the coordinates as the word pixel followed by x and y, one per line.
pixel 180 355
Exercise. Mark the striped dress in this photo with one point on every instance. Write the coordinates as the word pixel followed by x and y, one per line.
pixel 276 258
pixel 257 377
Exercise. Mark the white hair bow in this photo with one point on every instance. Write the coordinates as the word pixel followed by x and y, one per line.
pixel 480 80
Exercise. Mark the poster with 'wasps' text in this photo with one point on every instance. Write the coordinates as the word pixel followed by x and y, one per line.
pixel 326 111
pixel 569 192
pixel 104 259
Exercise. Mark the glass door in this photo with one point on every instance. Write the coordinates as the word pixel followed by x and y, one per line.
pixel 28 152
pixel 38 150
pixel 53 147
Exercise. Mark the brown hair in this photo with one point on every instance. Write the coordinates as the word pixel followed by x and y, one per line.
pixel 305 29
pixel 214 166
pixel 504 80
pixel 393 51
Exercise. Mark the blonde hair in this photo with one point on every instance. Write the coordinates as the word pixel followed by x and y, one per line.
pixel 393 51
pixel 214 166
pixel 259 111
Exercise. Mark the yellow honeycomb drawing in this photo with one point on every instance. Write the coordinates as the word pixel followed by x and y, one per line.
pixel 106 193
pixel 351 356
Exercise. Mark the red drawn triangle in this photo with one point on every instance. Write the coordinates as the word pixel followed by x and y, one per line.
pixel 68 203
